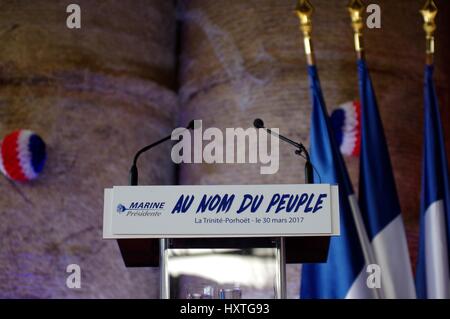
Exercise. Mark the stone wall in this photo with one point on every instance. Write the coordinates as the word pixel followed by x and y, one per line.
pixel 95 95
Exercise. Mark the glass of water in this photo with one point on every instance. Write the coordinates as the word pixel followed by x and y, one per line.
pixel 201 292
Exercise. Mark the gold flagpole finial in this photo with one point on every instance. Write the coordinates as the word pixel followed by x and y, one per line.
pixel 304 11
pixel 429 12
pixel 356 10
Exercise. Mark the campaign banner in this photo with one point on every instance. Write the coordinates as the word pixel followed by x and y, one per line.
pixel 221 211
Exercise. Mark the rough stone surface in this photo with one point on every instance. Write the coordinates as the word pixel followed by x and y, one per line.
pixel 96 96
pixel 118 38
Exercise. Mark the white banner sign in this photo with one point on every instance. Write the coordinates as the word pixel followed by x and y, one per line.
pixel 221 211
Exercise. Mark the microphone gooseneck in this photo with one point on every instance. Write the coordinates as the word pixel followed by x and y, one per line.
pixel 134 175
pixel 191 125
pixel 301 149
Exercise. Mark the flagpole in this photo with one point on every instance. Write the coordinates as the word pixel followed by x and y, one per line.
pixel 433 267
pixel 304 12
pixel 429 12
pixel 356 10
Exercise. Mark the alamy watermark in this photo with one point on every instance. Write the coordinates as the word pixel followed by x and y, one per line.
pixel 73 281
pixel 73 21
pixel 234 145
pixel 374 278
pixel 373 20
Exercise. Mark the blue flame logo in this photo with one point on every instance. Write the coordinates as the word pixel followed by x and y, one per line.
pixel 121 208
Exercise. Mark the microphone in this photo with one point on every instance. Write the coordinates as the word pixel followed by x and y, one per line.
pixel 191 125
pixel 258 123
pixel 309 176
pixel 134 176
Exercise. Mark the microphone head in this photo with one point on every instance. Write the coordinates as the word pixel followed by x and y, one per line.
pixel 194 124
pixel 258 123
pixel 191 125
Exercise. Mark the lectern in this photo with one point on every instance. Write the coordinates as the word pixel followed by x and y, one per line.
pixel 149 221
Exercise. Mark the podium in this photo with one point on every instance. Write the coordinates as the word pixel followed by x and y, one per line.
pixel 297 221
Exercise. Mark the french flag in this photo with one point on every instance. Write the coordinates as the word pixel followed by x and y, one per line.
pixel 378 199
pixel 344 274
pixel 432 273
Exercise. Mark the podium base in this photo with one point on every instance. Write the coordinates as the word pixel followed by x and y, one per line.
pixel 145 252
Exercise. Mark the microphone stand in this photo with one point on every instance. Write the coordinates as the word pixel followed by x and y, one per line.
pixel 309 169
pixel 309 179
pixel 134 176
pixel 164 288
pixel 301 149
